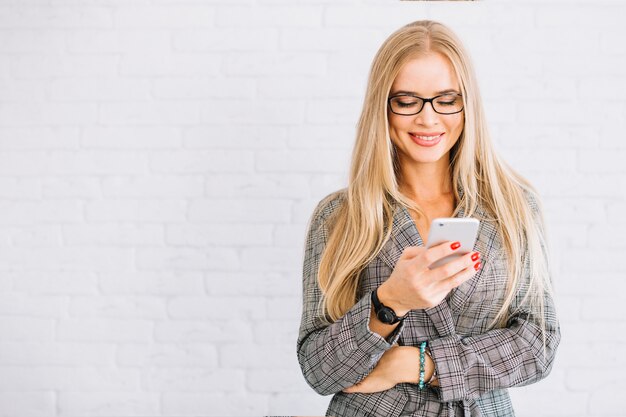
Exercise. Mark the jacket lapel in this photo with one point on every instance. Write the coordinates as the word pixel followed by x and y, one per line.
pixel 404 233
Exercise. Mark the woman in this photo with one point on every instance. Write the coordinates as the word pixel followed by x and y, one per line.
pixel 453 338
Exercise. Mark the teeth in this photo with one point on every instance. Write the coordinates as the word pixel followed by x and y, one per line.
pixel 427 138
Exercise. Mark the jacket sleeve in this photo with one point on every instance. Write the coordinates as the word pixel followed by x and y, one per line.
pixel 467 367
pixel 336 356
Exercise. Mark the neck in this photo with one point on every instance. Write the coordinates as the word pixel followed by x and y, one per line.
pixel 426 182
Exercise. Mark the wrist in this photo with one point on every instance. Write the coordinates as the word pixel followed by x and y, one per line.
pixel 386 297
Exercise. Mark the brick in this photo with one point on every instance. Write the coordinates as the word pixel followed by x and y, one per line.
pixel 98 89
pixel 262 112
pixel 117 41
pixel 140 211
pixel 58 17
pixel 38 138
pixel 148 113
pixel 329 39
pixel 226 211
pixel 26 212
pixel 559 17
pixel 194 161
pixel 104 404
pixel 244 137
pixel 85 259
pixel 252 283
pixel 187 259
pixel 192 380
pixel 92 162
pixel 344 86
pixel 217 234
pixel 55 282
pixel 212 404
pixel 561 161
pixel 20 188
pixel 151 16
pixel 252 356
pixel 330 111
pixel 277 380
pixel 168 355
pixel 62 378
pixel 226 40
pixel 17 90
pixel 277 63
pixel 131 137
pixel 45 66
pixel 602 161
pixel 321 161
pixel 176 64
pixel 21 305
pixel 26 329
pixel 113 235
pixel 271 259
pixel 153 186
pixel 256 186
pixel 271 332
pixel 204 87
pixel 151 283
pixel 71 187
pixel 201 331
pixel 31 41
pixel 298 404
pixel 120 307
pixel 56 354
pixel 32 404
pixel 104 330
pixel 604 308
pixel 217 308
pixel 298 16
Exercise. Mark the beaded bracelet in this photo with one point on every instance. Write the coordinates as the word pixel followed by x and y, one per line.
pixel 422 364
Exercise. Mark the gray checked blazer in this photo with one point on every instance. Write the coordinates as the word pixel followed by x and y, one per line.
pixel 475 365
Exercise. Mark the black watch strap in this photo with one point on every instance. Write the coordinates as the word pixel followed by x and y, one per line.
pixel 384 313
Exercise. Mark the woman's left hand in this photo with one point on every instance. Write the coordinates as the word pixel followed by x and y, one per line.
pixel 397 365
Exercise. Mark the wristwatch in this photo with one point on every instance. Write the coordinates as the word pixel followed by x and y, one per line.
pixel 384 313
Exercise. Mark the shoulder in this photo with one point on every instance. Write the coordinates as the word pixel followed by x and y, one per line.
pixel 329 205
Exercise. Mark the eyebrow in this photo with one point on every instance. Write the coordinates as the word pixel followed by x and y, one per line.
pixel 449 90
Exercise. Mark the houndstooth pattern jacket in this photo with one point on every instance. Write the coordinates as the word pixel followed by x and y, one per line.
pixel 475 365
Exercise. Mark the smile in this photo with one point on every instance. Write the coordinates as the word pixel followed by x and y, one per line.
pixel 423 140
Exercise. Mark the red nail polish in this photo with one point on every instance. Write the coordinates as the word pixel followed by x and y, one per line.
pixel 477 266
pixel 475 256
pixel 455 245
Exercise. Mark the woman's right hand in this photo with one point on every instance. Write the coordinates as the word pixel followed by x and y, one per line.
pixel 412 285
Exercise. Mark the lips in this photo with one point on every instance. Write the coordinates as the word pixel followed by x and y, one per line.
pixel 426 139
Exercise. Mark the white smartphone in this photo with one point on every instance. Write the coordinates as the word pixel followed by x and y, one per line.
pixel 463 230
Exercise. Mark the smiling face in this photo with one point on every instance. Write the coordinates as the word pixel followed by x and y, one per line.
pixel 426 137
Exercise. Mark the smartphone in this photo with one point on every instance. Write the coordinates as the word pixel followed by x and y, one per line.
pixel 461 229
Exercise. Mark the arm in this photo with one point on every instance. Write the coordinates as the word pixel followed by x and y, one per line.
pixel 511 356
pixel 333 357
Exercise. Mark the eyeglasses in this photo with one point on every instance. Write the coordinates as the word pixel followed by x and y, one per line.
pixel 409 105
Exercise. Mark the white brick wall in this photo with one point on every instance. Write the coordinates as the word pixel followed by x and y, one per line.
pixel 159 160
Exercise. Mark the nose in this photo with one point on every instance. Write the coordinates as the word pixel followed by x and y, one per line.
pixel 427 116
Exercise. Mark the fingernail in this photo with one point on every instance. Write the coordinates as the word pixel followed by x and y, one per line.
pixel 455 245
pixel 475 256
pixel 477 266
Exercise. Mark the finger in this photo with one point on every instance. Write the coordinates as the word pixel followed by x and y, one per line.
pixel 459 278
pixel 455 266
pixel 442 250
pixel 411 252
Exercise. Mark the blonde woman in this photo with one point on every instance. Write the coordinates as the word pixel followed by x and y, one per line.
pixel 380 330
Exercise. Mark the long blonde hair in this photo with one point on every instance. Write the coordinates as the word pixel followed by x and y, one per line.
pixel 362 224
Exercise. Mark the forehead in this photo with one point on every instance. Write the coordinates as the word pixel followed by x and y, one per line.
pixel 426 75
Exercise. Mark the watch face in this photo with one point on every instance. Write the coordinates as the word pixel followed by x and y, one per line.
pixel 386 315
